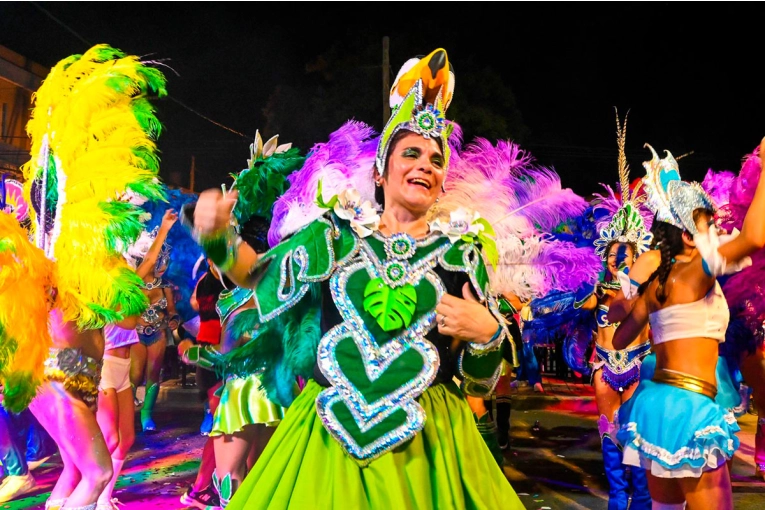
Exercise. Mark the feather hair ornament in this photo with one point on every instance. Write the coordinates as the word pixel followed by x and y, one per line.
pixel 26 276
pixel 94 132
pixel 265 179
pixel 629 219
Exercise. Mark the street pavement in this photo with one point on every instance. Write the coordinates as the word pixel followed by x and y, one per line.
pixel 556 466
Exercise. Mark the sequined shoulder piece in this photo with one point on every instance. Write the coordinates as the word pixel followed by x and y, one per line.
pixel 310 255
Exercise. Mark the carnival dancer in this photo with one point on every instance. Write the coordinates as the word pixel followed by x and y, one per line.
pixel 148 355
pixel 245 419
pixel 624 236
pixel 376 313
pixel 204 300
pixel 685 448
pixel 93 134
pixel 115 414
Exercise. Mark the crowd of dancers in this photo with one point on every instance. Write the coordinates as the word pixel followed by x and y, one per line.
pixel 353 308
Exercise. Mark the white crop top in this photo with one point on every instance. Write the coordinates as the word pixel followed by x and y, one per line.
pixel 706 318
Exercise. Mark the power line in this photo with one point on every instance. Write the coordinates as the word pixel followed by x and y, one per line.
pixel 89 44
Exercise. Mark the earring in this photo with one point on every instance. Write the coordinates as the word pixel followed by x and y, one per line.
pixel 377 183
pixel 437 199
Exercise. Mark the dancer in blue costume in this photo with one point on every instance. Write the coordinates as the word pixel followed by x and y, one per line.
pixel 615 372
pixel 685 447
pixel 379 314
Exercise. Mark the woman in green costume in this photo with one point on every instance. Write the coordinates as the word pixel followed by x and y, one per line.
pixel 379 314
pixel 245 418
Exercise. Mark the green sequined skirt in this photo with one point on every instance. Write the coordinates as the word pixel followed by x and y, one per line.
pixel 243 402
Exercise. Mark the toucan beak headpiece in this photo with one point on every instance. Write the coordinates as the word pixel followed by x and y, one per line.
pixel 419 97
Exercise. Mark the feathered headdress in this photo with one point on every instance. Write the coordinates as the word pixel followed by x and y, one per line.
pixel 93 133
pixel 265 179
pixel 629 220
pixel 670 198
pixel 419 97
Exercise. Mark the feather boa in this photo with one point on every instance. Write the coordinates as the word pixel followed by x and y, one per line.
pixel 93 130
pixel 25 277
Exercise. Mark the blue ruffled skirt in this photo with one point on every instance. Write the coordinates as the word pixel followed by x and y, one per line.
pixel 676 433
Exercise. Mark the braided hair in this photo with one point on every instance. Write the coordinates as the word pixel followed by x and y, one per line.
pixel 668 239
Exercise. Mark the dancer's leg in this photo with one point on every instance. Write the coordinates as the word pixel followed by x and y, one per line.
pixel 641 496
pixel 115 417
pixel 207 466
pixel 712 486
pixel 154 360
pixel 68 479
pixel 74 428
pixel 262 437
pixel 231 451
pixel 608 400
pixel 666 492
pixel 39 443
pixel 137 364
pixel 753 371
pixel 12 457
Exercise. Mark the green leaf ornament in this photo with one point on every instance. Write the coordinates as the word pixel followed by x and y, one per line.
pixel 320 199
pixel 392 308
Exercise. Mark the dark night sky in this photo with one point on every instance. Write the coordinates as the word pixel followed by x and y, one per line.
pixel 685 70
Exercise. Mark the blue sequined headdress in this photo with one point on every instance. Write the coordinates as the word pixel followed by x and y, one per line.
pixel 670 198
pixel 419 97
pixel 627 224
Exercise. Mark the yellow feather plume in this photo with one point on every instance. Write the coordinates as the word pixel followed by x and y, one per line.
pixel 94 136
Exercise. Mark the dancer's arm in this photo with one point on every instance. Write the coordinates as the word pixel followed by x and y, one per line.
pixel 150 260
pixel 212 229
pixel 633 325
pixel 641 270
pixel 752 237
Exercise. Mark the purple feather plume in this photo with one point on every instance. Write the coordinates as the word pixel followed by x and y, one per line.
pixel 540 198
pixel 568 266
pixel 345 161
pixel 611 201
pixel 718 185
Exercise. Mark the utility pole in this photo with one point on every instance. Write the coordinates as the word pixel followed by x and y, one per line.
pixel 386 79
pixel 193 171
